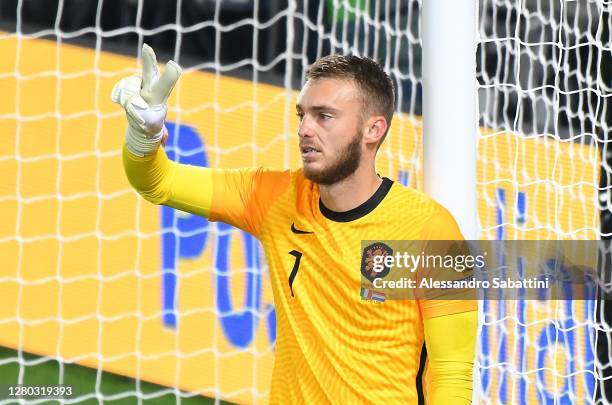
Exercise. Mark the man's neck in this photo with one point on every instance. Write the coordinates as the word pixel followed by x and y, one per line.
pixel 350 192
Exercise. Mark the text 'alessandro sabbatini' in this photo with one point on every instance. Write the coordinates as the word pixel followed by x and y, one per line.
pixel 469 282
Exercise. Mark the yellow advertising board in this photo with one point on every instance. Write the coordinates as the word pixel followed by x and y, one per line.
pixel 94 274
pixel 537 189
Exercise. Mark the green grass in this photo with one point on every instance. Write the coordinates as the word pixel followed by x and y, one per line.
pixel 83 382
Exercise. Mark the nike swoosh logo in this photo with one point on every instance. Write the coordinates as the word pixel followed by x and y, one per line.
pixel 298 231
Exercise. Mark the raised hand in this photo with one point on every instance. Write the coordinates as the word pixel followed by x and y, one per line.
pixel 144 100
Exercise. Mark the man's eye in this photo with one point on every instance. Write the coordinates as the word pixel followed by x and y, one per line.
pixel 300 116
pixel 324 116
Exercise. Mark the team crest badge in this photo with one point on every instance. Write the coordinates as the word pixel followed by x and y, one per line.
pixel 368 269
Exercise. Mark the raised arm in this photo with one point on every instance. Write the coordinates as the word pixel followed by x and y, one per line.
pixel 147 167
pixel 241 196
pixel 162 181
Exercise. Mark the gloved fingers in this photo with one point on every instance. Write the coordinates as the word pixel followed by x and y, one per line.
pixel 116 93
pixel 127 89
pixel 121 91
pixel 134 116
pixel 150 71
pixel 163 87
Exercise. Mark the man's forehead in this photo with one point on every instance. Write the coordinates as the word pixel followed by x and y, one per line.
pixel 327 91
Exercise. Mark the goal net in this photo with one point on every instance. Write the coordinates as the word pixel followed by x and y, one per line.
pixel 92 275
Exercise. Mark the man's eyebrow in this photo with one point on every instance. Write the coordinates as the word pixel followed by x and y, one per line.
pixel 318 108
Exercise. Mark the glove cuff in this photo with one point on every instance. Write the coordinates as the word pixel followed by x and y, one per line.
pixel 143 145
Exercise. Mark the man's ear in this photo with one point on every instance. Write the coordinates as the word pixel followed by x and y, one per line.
pixel 375 129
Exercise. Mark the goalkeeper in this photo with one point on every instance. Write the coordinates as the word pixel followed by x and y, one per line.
pixel 332 346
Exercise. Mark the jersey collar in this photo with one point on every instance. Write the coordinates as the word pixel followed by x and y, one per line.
pixel 362 210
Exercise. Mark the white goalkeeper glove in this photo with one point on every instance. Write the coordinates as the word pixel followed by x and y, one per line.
pixel 144 100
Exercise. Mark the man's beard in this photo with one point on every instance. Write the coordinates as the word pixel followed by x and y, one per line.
pixel 346 164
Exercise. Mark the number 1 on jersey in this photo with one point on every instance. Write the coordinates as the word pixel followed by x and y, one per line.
pixel 294 270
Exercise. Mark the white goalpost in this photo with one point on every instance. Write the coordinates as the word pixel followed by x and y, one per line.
pixel 450 112
pixel 502 115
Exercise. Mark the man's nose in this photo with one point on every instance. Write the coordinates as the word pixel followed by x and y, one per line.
pixel 305 128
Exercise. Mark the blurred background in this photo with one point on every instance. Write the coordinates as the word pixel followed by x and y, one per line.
pixel 544 71
pixel 389 31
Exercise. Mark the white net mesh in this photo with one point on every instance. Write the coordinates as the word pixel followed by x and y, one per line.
pixel 544 90
pixel 93 275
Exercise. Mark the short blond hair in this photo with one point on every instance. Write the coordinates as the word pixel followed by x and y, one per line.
pixel 376 87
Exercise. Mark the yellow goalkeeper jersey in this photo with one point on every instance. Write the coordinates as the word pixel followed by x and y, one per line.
pixel 332 345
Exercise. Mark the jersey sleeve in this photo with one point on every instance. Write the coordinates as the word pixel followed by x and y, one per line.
pixel 239 197
pixel 443 227
pixel 162 181
pixel 451 346
pixel 243 196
